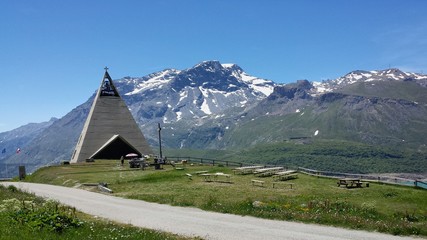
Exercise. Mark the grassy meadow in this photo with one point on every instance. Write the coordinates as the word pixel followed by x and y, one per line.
pixel 384 208
pixel 25 216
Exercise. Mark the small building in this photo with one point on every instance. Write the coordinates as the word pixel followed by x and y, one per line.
pixel 110 131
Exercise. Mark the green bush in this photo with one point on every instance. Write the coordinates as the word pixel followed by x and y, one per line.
pixel 12 188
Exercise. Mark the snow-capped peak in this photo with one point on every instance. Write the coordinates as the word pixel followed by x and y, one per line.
pixel 206 90
pixel 392 74
pixel 257 84
pixel 228 65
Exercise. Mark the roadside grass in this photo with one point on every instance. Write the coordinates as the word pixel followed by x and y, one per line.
pixel 25 216
pixel 385 208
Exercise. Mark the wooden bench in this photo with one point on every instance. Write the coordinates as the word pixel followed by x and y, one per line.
pixel 283 183
pixel 257 183
pixel 104 188
pixel 217 177
pixel 284 177
pixel 189 176
pixel 207 177
pixel 222 177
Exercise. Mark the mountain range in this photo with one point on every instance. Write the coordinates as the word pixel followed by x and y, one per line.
pixel 219 106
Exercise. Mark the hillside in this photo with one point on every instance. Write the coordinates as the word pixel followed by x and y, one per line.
pixel 358 116
pixel 321 155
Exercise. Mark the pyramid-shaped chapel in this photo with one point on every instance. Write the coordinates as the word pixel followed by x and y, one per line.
pixel 110 131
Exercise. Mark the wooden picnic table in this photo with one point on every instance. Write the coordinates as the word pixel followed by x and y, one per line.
pixel 285 175
pixel 275 169
pixel 208 177
pixel 248 167
pixel 266 172
pixel 216 177
pixel 285 172
pixel 350 182
pixel 246 170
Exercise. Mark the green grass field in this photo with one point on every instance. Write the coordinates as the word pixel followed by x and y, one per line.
pixel 385 208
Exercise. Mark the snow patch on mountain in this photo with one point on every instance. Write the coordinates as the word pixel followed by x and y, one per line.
pixel 205 107
pixel 182 95
pixel 205 92
pixel 178 116
pixel 155 80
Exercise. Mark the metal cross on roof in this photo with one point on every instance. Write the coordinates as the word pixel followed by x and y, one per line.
pixel 106 68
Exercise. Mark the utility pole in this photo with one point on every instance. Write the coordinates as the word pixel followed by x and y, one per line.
pixel 160 141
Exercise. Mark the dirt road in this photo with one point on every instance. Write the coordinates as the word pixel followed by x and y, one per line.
pixel 191 221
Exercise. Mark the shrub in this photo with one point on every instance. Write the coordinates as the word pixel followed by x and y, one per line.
pixel 50 215
pixel 12 188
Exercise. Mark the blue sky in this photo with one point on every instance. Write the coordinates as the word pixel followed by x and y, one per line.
pixel 52 53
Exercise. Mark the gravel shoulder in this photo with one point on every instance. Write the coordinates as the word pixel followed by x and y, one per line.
pixel 191 221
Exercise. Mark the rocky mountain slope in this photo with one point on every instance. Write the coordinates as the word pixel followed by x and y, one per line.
pixel 11 141
pixel 387 107
pixel 184 99
pixel 351 113
pixel 220 106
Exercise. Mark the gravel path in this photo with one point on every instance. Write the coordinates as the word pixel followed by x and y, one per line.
pixel 190 221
